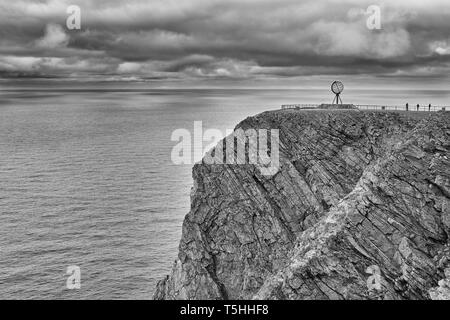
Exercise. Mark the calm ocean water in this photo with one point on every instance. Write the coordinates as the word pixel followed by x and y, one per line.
pixel 86 179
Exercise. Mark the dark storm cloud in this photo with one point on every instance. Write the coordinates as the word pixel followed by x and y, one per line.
pixel 224 39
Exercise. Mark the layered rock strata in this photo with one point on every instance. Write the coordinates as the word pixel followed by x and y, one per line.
pixel 360 209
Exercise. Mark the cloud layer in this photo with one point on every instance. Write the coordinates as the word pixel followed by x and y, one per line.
pixel 216 39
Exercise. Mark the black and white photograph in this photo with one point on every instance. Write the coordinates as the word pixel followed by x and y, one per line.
pixel 191 151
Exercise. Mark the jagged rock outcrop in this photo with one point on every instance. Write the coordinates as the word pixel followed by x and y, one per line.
pixel 360 209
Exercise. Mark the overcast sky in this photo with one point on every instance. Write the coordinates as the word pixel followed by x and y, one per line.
pixel 223 41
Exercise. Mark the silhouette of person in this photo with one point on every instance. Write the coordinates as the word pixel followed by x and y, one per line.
pixel 429 107
pixel 407 105
pixel 417 107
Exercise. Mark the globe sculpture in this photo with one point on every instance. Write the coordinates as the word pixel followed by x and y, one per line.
pixel 337 87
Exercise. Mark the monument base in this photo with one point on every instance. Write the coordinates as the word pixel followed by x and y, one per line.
pixel 336 106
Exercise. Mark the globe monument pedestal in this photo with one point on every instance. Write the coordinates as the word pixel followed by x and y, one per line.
pixel 337 87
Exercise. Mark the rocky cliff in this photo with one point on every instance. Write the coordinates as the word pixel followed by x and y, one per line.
pixel 360 209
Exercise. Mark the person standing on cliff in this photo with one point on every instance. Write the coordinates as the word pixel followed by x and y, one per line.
pixel 418 107
pixel 429 107
pixel 407 105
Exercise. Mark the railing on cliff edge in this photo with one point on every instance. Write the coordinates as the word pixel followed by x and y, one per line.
pixel 374 107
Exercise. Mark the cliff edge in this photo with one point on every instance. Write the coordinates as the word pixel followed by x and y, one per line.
pixel 360 209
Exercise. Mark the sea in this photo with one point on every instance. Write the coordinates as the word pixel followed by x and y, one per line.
pixel 87 179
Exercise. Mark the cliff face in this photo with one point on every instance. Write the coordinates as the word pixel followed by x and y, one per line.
pixel 360 209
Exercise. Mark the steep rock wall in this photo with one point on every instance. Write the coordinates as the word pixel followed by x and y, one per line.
pixel 358 195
